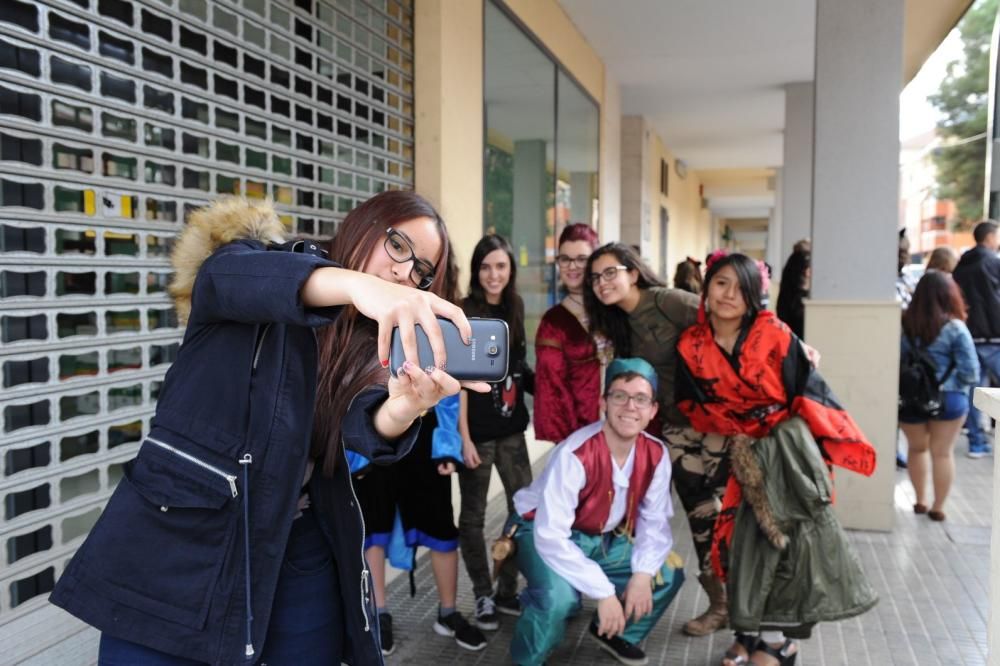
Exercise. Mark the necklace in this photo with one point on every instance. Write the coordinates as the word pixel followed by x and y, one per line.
pixel 578 301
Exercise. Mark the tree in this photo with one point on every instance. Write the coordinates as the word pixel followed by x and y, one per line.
pixel 962 101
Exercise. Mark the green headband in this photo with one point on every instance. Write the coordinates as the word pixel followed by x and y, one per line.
pixel 639 366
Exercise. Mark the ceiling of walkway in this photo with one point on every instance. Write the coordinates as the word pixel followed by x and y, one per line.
pixel 708 74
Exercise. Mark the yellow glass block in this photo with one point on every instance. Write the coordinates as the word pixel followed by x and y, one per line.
pixel 256 190
pixel 89 202
pixel 283 194
pixel 127 207
pixel 286 220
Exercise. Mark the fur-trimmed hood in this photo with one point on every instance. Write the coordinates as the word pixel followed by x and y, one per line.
pixel 211 227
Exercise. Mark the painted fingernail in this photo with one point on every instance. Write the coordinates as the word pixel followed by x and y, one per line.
pixel 384 362
pixel 429 369
pixel 407 366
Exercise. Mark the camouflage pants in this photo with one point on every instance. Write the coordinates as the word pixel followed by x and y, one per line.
pixel 700 472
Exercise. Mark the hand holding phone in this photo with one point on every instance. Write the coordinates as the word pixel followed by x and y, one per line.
pixel 485 358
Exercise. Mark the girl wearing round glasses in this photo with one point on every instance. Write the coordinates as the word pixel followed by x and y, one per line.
pixel 568 359
pixel 641 317
pixel 237 517
pixel 777 542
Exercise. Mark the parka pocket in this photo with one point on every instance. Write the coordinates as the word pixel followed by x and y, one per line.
pixel 164 536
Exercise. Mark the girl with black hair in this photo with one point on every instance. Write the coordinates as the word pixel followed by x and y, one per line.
pixel 629 305
pixel 492 427
pixel 796 278
pixel 777 544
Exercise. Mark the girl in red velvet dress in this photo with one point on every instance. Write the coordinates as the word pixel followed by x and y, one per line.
pixel 568 357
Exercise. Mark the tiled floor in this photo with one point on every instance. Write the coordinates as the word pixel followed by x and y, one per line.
pixel 932 578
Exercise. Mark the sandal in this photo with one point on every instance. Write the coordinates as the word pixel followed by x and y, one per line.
pixel 735 658
pixel 936 515
pixel 919 508
pixel 784 654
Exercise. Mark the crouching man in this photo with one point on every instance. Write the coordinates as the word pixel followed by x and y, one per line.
pixel 595 523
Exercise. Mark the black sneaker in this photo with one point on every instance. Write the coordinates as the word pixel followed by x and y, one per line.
pixel 486 614
pixel 385 632
pixel 508 605
pixel 620 649
pixel 458 627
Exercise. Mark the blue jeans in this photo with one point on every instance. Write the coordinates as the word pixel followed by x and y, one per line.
pixel 989 366
pixel 307 618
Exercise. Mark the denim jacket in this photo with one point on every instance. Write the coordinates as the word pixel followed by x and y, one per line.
pixel 953 345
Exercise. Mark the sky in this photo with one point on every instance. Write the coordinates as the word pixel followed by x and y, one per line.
pixel 916 115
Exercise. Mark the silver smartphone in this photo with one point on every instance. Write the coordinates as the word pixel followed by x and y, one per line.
pixel 485 359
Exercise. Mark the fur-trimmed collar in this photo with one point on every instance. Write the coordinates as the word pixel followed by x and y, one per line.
pixel 747 471
pixel 211 227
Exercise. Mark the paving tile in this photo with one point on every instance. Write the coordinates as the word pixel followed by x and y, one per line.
pixel 932 580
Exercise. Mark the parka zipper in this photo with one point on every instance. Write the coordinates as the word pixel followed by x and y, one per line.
pixel 230 478
pixel 259 346
pixel 361 517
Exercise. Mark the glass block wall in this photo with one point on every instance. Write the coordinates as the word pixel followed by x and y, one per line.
pixel 116 118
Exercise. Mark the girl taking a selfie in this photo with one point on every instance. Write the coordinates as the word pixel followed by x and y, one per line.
pixel 235 535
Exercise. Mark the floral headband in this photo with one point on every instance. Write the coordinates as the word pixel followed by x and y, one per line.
pixel 762 268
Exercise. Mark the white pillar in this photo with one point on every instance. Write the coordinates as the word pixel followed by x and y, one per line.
pixel 853 318
pixel 797 172
pixel 635 205
pixel 609 221
pixel 775 233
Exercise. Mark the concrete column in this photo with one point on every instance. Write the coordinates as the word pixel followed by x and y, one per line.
pixel 853 318
pixel 609 222
pixel 796 197
pixel 775 254
pixel 448 153
pixel 635 213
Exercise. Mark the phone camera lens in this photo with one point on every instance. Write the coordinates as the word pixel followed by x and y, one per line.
pixel 493 350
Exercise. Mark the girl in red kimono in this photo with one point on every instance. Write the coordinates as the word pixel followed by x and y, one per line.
pixel 743 373
pixel 568 357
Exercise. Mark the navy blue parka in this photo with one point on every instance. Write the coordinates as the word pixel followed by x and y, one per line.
pixel 165 565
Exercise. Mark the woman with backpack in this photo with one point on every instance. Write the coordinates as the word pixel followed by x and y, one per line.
pixel 935 337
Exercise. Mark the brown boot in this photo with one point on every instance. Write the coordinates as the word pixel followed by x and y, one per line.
pixel 717 615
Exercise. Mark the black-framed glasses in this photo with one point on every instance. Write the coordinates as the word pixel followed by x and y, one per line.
pixel 400 250
pixel 608 274
pixel 621 398
pixel 565 261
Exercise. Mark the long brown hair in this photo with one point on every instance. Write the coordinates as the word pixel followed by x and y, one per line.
pixel 610 320
pixel 347 363
pixel 936 301
pixel 476 304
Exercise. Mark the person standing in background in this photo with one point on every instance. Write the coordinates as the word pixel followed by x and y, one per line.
pixel 942 258
pixel 688 276
pixel 934 323
pixel 978 274
pixel 492 427
pixel 796 281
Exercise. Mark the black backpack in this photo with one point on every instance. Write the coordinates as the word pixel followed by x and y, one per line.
pixel 919 389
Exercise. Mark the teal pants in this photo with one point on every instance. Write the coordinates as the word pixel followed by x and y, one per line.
pixel 549 600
